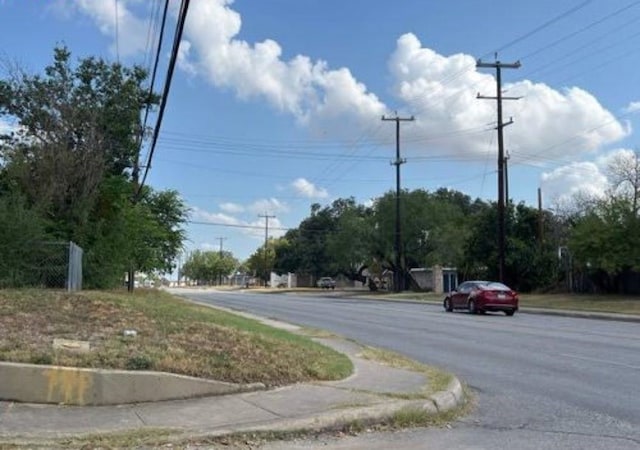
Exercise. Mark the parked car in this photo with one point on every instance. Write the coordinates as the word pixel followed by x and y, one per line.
pixel 480 296
pixel 326 283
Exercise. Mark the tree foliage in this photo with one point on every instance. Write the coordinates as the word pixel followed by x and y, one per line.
pixel 444 227
pixel 71 160
pixel 208 267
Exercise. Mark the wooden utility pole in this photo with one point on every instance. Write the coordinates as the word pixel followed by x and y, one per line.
pixel 220 239
pixel 506 178
pixel 540 219
pixel 266 239
pixel 501 190
pixel 398 273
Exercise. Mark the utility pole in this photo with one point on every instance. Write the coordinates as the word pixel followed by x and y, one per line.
pixel 501 190
pixel 135 176
pixel 266 239
pixel 398 274
pixel 540 218
pixel 506 178
pixel 221 239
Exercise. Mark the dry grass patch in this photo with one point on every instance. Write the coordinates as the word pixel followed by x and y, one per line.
pixel 584 302
pixel 575 302
pixel 438 380
pixel 173 335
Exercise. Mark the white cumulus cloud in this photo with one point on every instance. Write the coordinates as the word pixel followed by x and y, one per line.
pixel 442 90
pixel 199 214
pixel 585 179
pixel 268 206
pixel 632 107
pixel 439 90
pixel 132 31
pixel 307 89
pixel 231 208
pixel 308 189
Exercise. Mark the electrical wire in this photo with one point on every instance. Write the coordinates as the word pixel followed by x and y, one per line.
pixel 182 16
pixel 153 74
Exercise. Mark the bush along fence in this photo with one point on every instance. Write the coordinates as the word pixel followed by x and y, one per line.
pixel 50 264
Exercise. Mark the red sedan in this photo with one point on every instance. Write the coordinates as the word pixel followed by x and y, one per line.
pixel 480 296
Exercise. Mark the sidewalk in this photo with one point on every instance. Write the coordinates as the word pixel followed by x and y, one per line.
pixel 371 393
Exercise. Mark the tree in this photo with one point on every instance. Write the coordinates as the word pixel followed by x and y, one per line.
pixel 433 229
pixel 22 232
pixel 349 246
pixel 261 263
pixel 604 232
pixel 208 267
pixel 624 175
pixel 529 263
pixel 605 241
pixel 72 159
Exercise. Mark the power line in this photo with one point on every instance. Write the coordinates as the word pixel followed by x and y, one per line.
pixel 167 85
pixel 579 31
pixel 543 26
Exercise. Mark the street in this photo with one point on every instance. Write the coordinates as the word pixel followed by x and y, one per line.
pixel 540 381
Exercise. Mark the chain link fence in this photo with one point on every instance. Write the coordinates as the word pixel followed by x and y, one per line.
pixel 43 265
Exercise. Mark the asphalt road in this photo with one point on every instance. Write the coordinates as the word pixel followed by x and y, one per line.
pixel 540 381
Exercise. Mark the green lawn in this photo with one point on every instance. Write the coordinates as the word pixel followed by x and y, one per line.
pixel 173 335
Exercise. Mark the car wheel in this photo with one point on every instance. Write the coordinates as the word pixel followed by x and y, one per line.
pixel 472 307
pixel 510 312
pixel 448 306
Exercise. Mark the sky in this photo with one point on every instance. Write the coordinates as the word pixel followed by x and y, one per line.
pixel 277 105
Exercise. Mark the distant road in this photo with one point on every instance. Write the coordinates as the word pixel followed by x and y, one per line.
pixel 552 381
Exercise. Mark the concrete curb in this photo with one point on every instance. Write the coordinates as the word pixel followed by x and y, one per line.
pixel 31 383
pixel 440 402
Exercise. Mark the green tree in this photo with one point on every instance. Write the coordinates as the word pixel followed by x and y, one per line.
pixel 529 262
pixel 605 242
pixel 209 267
pixel 349 245
pixel 262 262
pixel 434 227
pixel 22 232
pixel 72 159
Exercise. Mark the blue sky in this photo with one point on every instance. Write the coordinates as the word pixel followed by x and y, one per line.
pixel 276 105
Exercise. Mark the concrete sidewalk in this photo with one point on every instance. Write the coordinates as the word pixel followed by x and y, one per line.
pixel 373 392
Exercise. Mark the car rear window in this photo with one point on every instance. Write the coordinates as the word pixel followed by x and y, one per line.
pixel 495 286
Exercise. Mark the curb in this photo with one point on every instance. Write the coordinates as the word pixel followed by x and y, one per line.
pixel 440 402
pixel 77 386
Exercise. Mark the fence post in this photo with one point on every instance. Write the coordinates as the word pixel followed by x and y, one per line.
pixel 74 274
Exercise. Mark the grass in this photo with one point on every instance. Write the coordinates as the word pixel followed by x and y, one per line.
pixel 173 335
pixel 575 302
pixel 582 302
pixel 438 380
